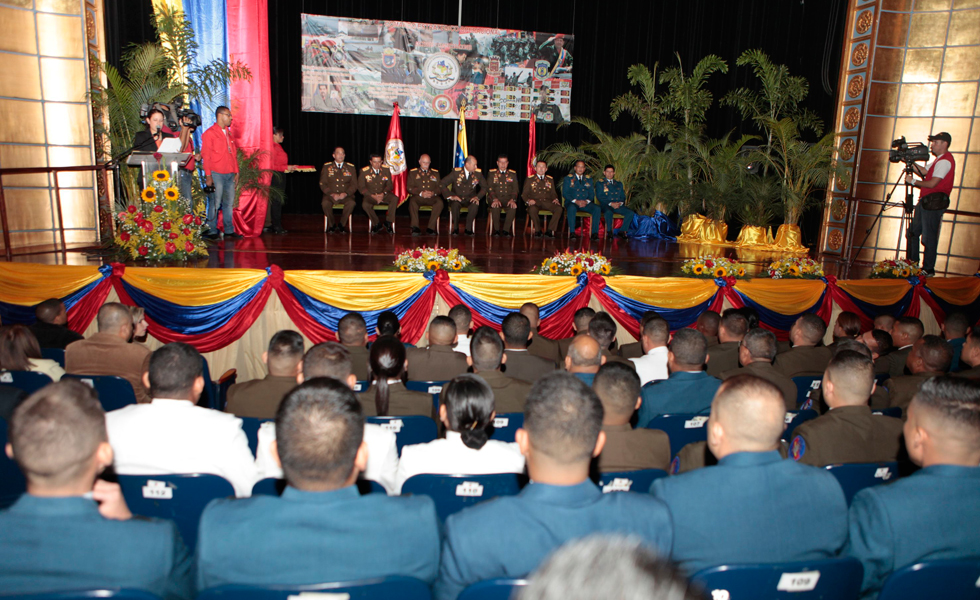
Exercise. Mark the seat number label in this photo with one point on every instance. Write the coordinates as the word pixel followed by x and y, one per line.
pixel 469 489
pixel 798 582
pixel 157 490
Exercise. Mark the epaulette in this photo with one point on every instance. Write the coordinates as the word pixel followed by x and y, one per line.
pixel 348 163
pixel 550 177
pixel 366 169
pixel 434 170
pixel 511 171
pixel 415 169
pixel 458 169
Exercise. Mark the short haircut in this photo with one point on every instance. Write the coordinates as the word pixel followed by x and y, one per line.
pixel 649 315
pixel 751 315
pixel 220 110
pixel 709 320
pixel 112 316
pixel 603 329
pixel 936 353
pixel 582 318
pixel 882 319
pixel 351 329
pixel 608 167
pixel 48 311
pixel 56 430
pixel 850 323
pixel 577 162
pixel 388 324
pixel 812 327
pixel 319 427
pixel 849 345
pixel 374 156
pixel 689 347
pixel 469 405
pixel 463 317
pixel 517 329
pixel 657 330
pixel 285 349
pixel 761 344
pixel 442 329
pixel 751 409
pixel 486 349
pixel 503 156
pixel 277 130
pixel 531 307
pixel 328 359
pixel 853 375
pixel 883 340
pixel 911 326
pixel 618 387
pixel 563 417
pixel 957 322
pixel 955 401
pixel 173 369
pixel 735 324
pixel 540 162
pixel 584 359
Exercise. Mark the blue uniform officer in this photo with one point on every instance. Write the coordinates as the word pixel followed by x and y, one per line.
pixel 578 192
pixel 612 198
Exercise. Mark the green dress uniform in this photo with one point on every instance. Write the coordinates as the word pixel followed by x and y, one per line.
pixel 847 434
pixel 338 179
pixel 575 189
pixel 424 181
pixel 470 188
pixel 610 191
pixel 542 190
pixel 503 191
pixel 377 182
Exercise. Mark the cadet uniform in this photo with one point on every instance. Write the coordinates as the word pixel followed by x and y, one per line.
pixel 402 402
pixel 631 350
pixel 803 360
pixel 377 182
pixel 610 191
pixel 847 434
pixel 459 184
pixel 722 357
pixel 509 394
pixel 629 449
pixel 338 179
pixel 697 455
pixel 971 373
pixel 542 191
pixel 893 363
pixel 424 181
pixel 902 389
pixel 435 363
pixel 765 370
pixel 503 189
pixel 544 347
pixel 523 365
pixel 573 189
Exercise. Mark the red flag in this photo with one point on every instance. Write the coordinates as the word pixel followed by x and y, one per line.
pixel 531 150
pixel 395 157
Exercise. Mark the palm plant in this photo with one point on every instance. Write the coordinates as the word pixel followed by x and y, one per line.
pixel 721 167
pixel 804 168
pixel 252 177
pixel 647 107
pixel 761 196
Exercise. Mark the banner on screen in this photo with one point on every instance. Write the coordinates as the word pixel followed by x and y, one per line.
pixel 358 66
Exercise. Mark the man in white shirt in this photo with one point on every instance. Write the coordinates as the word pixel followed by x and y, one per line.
pixel 463 317
pixel 172 434
pixel 652 366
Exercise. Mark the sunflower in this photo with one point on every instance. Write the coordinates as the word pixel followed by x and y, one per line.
pixel 741 271
pixel 604 269
pixel 720 272
pixel 576 270
pixel 697 269
pixel 160 176
pixel 171 193
pixel 896 273
pixel 432 266
pixel 553 268
pixel 905 273
pixel 403 267
pixel 793 270
pixel 456 265
pixel 149 195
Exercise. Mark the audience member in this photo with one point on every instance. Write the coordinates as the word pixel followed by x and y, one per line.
pixel 260 398
pixel 708 324
pixel 688 389
pixel 510 536
pixel 626 449
pixel 108 351
pixel 388 395
pixel 19 351
pixel 580 325
pixel 905 332
pixel 352 333
pixel 729 513
pixel 807 356
pixel 72 530
pixel 756 353
pixel 849 432
pixel 140 326
pixel 955 328
pixel 879 395
pixel 724 355
pixel 932 514
pixel 467 411
pixel 463 317
pixel 539 345
pixel 486 357
pixel 321 529
pixel 929 357
pixel 172 434
pixel 584 357
pixel 885 323
pixel 751 315
pixel 603 329
pixel 880 344
pixel 652 365
pixel 51 327
pixel 439 361
pixel 970 355
pixel 388 325
pixel 521 363
pixel 635 349
pixel 847 325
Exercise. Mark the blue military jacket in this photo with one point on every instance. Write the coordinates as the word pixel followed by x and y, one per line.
pixel 607 192
pixel 680 393
pixel 574 189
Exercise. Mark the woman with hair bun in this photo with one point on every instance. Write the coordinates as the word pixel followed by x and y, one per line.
pixel 467 411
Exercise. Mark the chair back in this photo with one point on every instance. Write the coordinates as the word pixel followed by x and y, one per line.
pixel 934 579
pixel 630 481
pixel 891 411
pixel 251 428
pixel 12 482
pixel 55 354
pixel 29 381
pixel 681 429
pixel 99 593
pixel 433 388
pixel 114 392
pixel 804 385
pixel 180 498
pixel 492 589
pixel 209 396
pixel 453 493
pixel 381 588
pixel 270 486
pixel 505 426
pixel 856 476
pixel 827 579
pixel 360 386
pixel 795 418
pixel 408 430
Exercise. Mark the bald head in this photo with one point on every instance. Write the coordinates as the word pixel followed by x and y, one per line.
pixel 442 332
pixel 747 415
pixel 53 311
pixel 584 355
pixel 116 319
pixel 708 323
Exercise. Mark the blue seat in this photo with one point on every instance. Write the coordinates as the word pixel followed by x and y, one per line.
pixel 630 481
pixel 934 579
pixel 827 579
pixel 209 396
pixel 271 486
pixel 28 381
pixel 408 430
pixel 360 386
pixel 891 411
pixel 12 482
pixel 453 493
pixel 381 588
pixel 100 593
pixel 856 476
pixel 114 392
pixel 433 388
pixel 804 385
pixel 55 354
pixel 492 589
pixel 180 498
pixel 506 425
pixel 795 418
pixel 251 427
pixel 681 429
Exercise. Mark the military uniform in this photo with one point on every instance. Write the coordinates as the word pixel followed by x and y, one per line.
pixel 402 402
pixel 803 360
pixel 259 398
pixel 902 389
pixel 435 363
pixel 847 434
pixel 504 190
pixel 765 370
pixel 971 373
pixel 424 181
pixel 509 393
pixel 629 449
pixel 722 357
pixel 542 191
pixel 610 191
pixel 631 350
pixel 338 179
pixel 610 357
pixel 523 365
pixel 465 187
pixel 574 189
pixel 377 182
pixel 359 357
pixel 544 347
pixel 893 363
pixel 697 455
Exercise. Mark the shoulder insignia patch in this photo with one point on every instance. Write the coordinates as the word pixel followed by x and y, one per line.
pixel 410 170
pixel 675 465
pixel 366 169
pixel 458 169
pixel 511 171
pixel 798 448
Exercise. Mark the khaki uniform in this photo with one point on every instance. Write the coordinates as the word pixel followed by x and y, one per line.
pixel 380 182
pixel 847 434
pixel 610 357
pixel 545 197
pixel 697 455
pixel 765 370
pixel 631 350
pixel 402 402
pixel 435 363
pixel 526 366
pixel 424 181
pixel 971 373
pixel 338 180
pixel 458 184
pixel 803 360
pixel 629 449
pixel 509 394
pixel 721 358
pixel 502 188
pixel 902 389
pixel 107 354
pixel 893 363
pixel 259 398
pixel 544 347
pixel 359 356
pixel 878 400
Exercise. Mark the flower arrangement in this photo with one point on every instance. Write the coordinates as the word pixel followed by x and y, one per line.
pixel 712 267
pixel 163 226
pixel 576 263
pixel 420 260
pixel 795 268
pixel 895 269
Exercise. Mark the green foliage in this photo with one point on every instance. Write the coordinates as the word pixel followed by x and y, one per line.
pixel 721 168
pixel 647 107
pixel 250 177
pixel 803 168
pixel 760 201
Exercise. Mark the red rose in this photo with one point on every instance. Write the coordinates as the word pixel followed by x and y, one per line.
pixel 143 250
pixel 174 235
pixel 157 155
pixel 189 246
pixel 416 254
pixel 123 215
pixel 186 231
pixel 166 225
pixel 148 226
pixel 131 209
pixel 188 219
pixel 170 247
pixel 709 263
pixel 197 220
pixel 124 236
pixel 158 208
pixel 443 252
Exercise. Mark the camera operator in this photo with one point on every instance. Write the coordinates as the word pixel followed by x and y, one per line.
pixel 187 127
pixel 936 183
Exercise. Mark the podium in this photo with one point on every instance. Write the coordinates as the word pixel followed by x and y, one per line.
pixel 168 161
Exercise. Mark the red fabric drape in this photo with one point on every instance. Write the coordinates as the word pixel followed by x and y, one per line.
pixel 531 146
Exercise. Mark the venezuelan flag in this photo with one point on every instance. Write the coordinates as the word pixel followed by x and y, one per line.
pixel 461 150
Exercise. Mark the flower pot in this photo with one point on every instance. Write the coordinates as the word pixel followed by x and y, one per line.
pixel 754 236
pixel 788 239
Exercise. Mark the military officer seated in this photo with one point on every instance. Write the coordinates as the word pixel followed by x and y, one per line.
pixel 688 389
pixel 807 357
pixel 423 190
pixel 931 356
pixel 259 398
pixel 579 192
pixel 612 198
pixel 626 449
pixel 932 514
pixel 375 183
pixel 970 356
pixel 439 361
pixel 732 327
pixel 502 195
pixel 486 357
pixel 338 182
pixel 540 193
pixel 756 352
pixel 465 186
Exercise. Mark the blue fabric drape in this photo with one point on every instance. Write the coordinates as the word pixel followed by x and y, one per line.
pixel 778 320
pixel 208 18
pixel 191 320
pixel 16 313
pixel 677 318
pixel 329 316
pixel 496 314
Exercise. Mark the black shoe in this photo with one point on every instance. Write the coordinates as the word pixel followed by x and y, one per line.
pixel 469 232
pixel 431 231
pixel 538 233
pixel 234 236
pixel 929 272
pixel 454 232
pixel 211 236
pixel 623 235
pixel 594 236
pixel 378 228
pixel 268 230
pixel 550 234
pixel 342 229
pixel 389 227
pixel 506 233
pixel 330 229
pixel 416 232
pixel 279 231
pixel 496 233
pixel 573 236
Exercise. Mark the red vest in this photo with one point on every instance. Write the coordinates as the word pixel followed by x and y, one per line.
pixel 946 185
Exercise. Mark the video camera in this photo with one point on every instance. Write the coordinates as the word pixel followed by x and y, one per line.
pixel 902 151
pixel 174 114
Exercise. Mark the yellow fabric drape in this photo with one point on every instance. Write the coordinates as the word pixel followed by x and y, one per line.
pixel 881 292
pixel 699 229
pixel 193 287
pixel 357 290
pixel 511 291
pixel 667 292
pixel 956 290
pixel 752 236
pixel 28 284
pixel 788 239
pixel 785 296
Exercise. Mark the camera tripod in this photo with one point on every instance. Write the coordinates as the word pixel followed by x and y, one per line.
pixel 908 207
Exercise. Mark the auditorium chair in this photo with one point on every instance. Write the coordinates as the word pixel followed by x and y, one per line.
pixel 55 354
pixel 433 388
pixel 408 430
pixel 114 391
pixel 543 215
pixel 505 426
pixel 463 209
pixel 12 483
pixel 934 579
pixel 855 477
pixel 380 588
pixel 795 418
pixel 360 386
pixel 681 430
pixel 428 209
pixel 180 498
pixel 350 218
pixel 215 393
pixel 492 589
pixel 100 593
pixel 825 579
pixel 379 208
pixel 28 381
pixel 891 411
pixel 453 493
pixel 629 481
pixel 513 224
pixel 804 385
pixel 271 486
